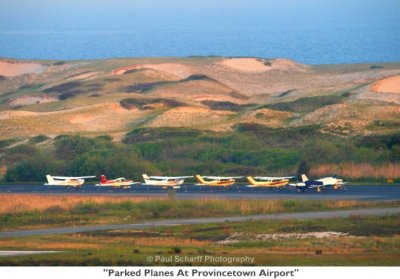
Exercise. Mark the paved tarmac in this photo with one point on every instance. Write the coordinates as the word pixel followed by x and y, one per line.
pixel 24 253
pixel 195 221
pixel 352 192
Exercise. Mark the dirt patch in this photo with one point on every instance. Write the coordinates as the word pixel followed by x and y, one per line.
pixel 240 237
pixel 387 85
pixel 15 68
pixel 254 65
pixel 31 100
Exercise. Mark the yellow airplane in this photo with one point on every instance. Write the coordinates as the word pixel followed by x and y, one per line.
pixel 268 182
pixel 216 181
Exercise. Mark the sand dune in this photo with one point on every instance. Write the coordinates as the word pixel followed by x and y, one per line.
pixel 175 69
pixel 349 118
pixel 387 85
pixel 238 89
pixel 198 90
pixel 254 65
pixel 268 117
pixel 15 68
pixel 105 118
pixel 202 118
pixel 85 75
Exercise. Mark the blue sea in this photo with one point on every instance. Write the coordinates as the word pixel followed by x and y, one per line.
pixel 307 31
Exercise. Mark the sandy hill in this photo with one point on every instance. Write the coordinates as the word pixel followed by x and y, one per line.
pixel 212 93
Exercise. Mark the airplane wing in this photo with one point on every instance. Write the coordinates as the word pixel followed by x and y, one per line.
pixel 169 177
pixel 223 177
pixel 73 177
pixel 316 186
pixel 273 178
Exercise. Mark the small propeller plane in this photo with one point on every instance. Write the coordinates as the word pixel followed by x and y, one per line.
pixel 319 184
pixel 67 181
pixel 120 182
pixel 216 181
pixel 166 182
pixel 268 182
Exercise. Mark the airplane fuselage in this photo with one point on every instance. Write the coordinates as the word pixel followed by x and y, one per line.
pixel 67 182
pixel 174 183
pixel 278 183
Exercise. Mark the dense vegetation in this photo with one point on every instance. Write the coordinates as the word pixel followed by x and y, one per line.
pixel 250 149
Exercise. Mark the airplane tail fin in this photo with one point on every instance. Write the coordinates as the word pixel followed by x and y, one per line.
pixel 251 180
pixel 304 178
pixel 145 176
pixel 50 179
pixel 200 179
pixel 103 179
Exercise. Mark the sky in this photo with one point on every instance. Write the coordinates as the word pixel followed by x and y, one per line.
pixel 126 14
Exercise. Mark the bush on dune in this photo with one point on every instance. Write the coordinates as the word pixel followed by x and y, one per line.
pixel 250 149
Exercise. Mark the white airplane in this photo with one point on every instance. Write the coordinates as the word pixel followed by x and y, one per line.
pixel 66 180
pixel 165 181
pixel 216 181
pixel 319 184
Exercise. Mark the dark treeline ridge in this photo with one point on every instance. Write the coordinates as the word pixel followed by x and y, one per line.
pixel 248 150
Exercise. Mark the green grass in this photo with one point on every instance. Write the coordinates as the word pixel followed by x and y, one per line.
pixel 130 103
pixel 307 104
pixel 92 212
pixel 374 241
pixel 8 142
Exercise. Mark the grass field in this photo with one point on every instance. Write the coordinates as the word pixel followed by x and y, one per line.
pixel 349 241
pixel 369 241
pixel 35 211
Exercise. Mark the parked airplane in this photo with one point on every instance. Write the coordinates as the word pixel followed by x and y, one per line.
pixel 165 181
pixel 120 182
pixel 216 181
pixel 319 184
pixel 268 182
pixel 67 181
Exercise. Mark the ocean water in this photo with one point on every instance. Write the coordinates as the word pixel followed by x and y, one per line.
pixel 365 31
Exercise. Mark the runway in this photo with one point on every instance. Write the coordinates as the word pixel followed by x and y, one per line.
pixel 352 192
pixel 210 220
